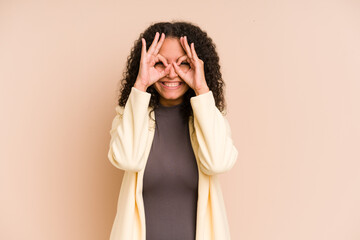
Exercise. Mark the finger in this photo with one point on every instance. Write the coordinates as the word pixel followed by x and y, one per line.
pixel 183 43
pixel 187 48
pixel 194 52
pixel 158 46
pixel 188 60
pixel 152 46
pixel 188 56
pixel 159 56
pixel 154 60
pixel 143 48
pixel 182 58
pixel 165 71
pixel 178 70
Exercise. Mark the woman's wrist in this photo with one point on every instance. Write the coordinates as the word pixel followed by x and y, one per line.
pixel 202 91
pixel 140 86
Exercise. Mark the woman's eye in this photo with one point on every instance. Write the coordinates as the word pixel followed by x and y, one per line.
pixel 186 63
pixel 158 63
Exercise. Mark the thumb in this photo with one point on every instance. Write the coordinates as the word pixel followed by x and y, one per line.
pixel 178 70
pixel 165 71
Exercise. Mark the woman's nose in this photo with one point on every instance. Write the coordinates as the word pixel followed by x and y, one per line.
pixel 172 72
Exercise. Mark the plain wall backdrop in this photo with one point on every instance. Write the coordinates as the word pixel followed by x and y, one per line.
pixel 292 78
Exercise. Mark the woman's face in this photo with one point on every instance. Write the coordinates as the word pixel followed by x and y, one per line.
pixel 172 51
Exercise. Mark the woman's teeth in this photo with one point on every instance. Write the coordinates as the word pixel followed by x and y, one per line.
pixel 172 84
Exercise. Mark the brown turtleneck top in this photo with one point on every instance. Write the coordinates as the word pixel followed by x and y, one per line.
pixel 170 182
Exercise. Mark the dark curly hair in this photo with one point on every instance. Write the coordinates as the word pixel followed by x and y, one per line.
pixel 205 49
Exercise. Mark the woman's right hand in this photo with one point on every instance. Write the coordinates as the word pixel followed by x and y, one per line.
pixel 148 74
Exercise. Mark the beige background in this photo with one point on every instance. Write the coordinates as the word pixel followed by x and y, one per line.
pixel 293 81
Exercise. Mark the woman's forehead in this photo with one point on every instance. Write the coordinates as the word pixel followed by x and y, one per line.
pixel 171 49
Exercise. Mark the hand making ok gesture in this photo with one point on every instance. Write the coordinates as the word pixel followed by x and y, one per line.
pixel 195 77
pixel 147 73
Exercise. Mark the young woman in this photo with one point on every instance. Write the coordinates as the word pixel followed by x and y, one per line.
pixel 171 138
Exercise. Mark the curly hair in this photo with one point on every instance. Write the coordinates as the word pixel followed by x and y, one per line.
pixel 205 49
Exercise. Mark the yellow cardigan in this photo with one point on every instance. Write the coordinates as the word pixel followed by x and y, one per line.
pixel 132 134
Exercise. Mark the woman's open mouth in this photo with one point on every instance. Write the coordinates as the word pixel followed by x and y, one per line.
pixel 171 85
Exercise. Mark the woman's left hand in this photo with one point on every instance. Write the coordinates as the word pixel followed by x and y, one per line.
pixel 195 77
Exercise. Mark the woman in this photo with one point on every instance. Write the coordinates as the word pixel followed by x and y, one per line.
pixel 171 138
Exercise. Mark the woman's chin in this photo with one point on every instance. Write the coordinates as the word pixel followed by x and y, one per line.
pixel 171 97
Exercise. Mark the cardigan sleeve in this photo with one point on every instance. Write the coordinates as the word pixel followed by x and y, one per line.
pixel 129 132
pixel 216 151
